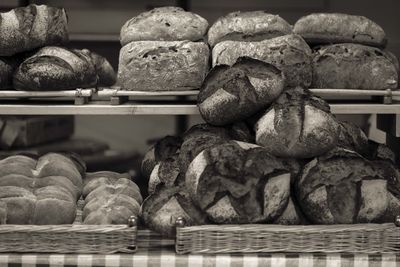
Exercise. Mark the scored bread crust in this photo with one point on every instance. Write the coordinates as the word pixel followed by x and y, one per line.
pixel 247 26
pixel 320 28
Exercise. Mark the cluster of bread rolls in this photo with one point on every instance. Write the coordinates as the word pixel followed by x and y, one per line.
pixel 32 56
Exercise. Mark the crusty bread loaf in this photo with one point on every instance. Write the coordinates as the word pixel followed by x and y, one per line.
pixel 43 191
pixel 238 182
pixel 231 94
pixel 166 172
pixel 289 53
pixel 104 70
pixel 247 26
pixel 353 138
pixel 110 198
pixel 343 187
pixel 26 28
pixel 7 68
pixel 353 66
pixel 164 24
pixel 321 28
pixel 56 68
pixel 161 209
pixel 297 125
pixel 162 65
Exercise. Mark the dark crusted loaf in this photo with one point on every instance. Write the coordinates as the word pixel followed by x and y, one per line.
pixel 289 53
pixel 26 28
pixel 247 26
pixel 231 94
pixel 322 28
pixel 7 68
pixel 353 66
pixel 164 24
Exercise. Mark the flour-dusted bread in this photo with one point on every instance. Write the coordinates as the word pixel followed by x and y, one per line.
pixel 26 28
pixel 162 65
pixel 234 93
pixel 164 24
pixel 162 208
pixel 105 72
pixel 42 191
pixel 322 28
pixel 343 187
pixel 289 53
pixel 247 26
pixel 297 125
pixel 238 182
pixel 166 172
pixel 353 66
pixel 56 68
pixel 7 68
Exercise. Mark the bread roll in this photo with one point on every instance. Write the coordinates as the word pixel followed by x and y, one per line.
pixel 343 187
pixel 26 28
pixel 240 182
pixel 231 94
pixel 7 68
pixel 320 28
pixel 297 125
pixel 289 53
pixel 353 66
pixel 164 24
pixel 56 68
pixel 247 26
pixel 104 70
pixel 162 65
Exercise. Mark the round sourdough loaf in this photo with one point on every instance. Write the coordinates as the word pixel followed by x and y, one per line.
pixel 105 72
pixel 239 182
pixel 353 138
pixel 234 93
pixel 289 53
pixel 165 172
pixel 247 26
pixel 26 28
pixel 164 24
pixel 331 28
pixel 297 125
pixel 353 66
pixel 56 68
pixel 343 187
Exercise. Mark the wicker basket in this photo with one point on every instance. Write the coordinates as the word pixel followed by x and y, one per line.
pixel 356 238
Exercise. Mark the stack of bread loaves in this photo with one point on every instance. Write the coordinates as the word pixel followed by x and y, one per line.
pixel 31 59
pixel 163 50
pixel 347 52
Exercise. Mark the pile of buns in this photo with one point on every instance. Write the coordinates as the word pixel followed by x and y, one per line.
pixel 45 190
pixel 32 56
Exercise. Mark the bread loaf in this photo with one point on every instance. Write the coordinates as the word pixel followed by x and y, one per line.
pixel 343 187
pixel 110 198
pixel 320 28
pixel 247 26
pixel 231 94
pixel 289 53
pixel 104 70
pixel 162 208
pixel 353 66
pixel 56 68
pixel 353 138
pixel 297 125
pixel 166 172
pixel 164 24
pixel 162 65
pixel 7 68
pixel 26 28
pixel 43 191
pixel 238 182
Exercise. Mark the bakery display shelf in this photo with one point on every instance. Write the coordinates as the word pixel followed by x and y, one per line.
pixel 257 238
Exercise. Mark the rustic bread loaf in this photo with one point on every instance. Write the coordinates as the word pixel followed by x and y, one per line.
pixel 247 26
pixel 231 94
pixel 322 28
pixel 166 172
pixel 164 24
pixel 297 125
pixel 26 28
pixel 240 182
pixel 161 209
pixel 110 198
pixel 353 66
pixel 56 68
pixel 7 68
pixel 343 187
pixel 43 191
pixel 289 53
pixel 162 65
pixel 104 70
pixel 353 138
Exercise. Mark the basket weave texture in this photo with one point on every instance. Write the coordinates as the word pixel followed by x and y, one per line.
pixel 357 238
